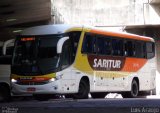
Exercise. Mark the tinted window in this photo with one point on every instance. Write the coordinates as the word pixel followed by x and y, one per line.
pixel 100 45
pixel 150 49
pixel 117 46
pixel 104 46
pixel 139 49
pixel 74 40
pixel 129 49
pixel 89 44
pixel 66 55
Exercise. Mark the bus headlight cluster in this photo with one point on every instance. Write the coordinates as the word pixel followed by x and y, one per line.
pixel 59 76
pixel 13 80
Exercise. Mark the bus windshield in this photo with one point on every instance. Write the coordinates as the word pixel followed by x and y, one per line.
pixel 36 55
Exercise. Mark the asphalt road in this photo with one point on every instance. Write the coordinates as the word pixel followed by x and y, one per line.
pixel 136 105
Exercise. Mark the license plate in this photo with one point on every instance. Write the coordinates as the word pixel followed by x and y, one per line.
pixel 31 89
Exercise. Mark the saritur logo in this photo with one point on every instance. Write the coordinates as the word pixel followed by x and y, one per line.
pixel 103 63
pixel 106 63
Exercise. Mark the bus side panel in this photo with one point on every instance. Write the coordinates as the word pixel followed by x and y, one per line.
pixel 119 80
pixel 147 76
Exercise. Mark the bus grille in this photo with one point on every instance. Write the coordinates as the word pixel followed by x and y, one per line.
pixel 32 83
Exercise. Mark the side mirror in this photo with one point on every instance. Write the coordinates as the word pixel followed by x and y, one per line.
pixel 60 44
pixel 6 44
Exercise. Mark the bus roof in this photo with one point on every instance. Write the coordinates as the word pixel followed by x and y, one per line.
pixel 62 28
pixel 122 35
pixel 47 29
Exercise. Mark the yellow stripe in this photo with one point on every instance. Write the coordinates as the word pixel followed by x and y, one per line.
pixel 111 74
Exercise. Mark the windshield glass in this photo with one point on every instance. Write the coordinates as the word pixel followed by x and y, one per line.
pixel 36 54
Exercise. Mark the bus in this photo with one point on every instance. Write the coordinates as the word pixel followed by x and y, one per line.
pixel 5 69
pixel 76 61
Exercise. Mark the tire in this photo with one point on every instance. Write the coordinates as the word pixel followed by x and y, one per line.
pixel 5 95
pixel 98 95
pixel 83 90
pixel 134 91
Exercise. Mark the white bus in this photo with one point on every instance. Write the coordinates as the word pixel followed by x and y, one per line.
pixel 5 69
pixel 76 61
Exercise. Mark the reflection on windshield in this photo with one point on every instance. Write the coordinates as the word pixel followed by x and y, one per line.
pixel 39 55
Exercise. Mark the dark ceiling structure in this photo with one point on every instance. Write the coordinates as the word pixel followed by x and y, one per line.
pixel 15 15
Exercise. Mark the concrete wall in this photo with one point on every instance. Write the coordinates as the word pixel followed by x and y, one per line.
pixel 98 12
pixel 103 12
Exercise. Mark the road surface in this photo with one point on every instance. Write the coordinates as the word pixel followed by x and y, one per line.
pixel 137 105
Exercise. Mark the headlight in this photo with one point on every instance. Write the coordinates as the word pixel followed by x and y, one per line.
pixel 58 76
pixel 52 79
pixel 13 80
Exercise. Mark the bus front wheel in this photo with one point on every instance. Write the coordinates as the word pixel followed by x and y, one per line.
pixel 83 90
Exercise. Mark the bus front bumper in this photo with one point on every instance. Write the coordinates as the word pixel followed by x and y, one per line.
pixel 49 88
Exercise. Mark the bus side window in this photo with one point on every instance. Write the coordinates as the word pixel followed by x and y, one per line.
pixel 139 49
pixel 104 46
pixel 107 46
pixel 117 46
pixel 100 46
pixel 114 47
pixel 66 55
pixel 74 40
pixel 129 49
pixel 89 44
pixel 150 49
